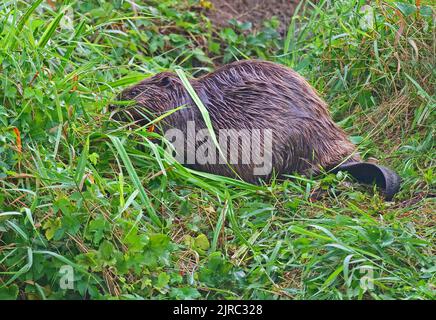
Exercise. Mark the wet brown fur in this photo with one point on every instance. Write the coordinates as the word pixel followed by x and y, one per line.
pixel 252 94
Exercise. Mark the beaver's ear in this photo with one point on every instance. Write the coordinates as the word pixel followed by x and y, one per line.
pixel 165 81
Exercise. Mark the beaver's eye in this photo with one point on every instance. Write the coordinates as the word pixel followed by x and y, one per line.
pixel 135 92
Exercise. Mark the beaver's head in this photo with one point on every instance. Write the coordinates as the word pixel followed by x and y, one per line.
pixel 150 98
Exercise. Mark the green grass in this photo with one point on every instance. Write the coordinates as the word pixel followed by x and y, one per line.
pixel 77 190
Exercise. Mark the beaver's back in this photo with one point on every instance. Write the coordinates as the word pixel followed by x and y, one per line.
pixel 255 94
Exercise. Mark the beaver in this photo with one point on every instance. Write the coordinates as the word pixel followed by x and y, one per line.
pixel 246 100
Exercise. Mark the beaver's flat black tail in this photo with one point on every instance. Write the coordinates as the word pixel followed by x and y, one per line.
pixel 369 173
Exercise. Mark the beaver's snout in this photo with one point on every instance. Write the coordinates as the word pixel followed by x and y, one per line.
pixel 127 115
pixel 132 114
pixel 123 108
pixel 115 113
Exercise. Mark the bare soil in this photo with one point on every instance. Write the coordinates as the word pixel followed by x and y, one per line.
pixel 254 11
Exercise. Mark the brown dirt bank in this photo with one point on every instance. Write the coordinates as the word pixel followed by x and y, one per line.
pixel 254 11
